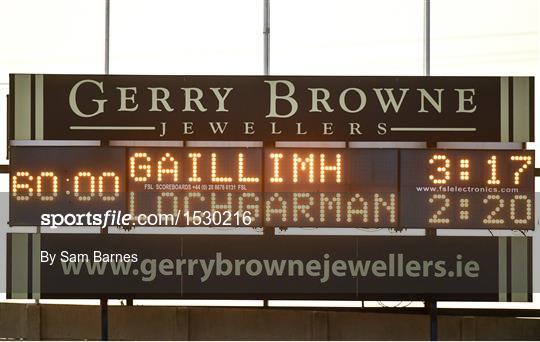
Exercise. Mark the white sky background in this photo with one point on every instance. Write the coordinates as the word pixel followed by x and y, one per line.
pixel 308 37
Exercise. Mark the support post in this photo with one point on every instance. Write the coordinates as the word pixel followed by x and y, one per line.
pixel 266 32
pixel 103 303
pixel 427 37
pixel 431 304
pixel 433 323
pixel 38 233
pixel 107 33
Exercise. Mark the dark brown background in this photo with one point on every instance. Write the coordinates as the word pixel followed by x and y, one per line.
pixel 249 101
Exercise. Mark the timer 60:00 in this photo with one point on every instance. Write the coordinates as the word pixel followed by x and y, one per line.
pixel 45 186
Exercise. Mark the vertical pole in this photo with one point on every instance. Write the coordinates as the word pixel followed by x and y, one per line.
pixel 104 319
pixel 431 304
pixel 38 233
pixel 104 302
pixel 104 305
pixel 433 323
pixel 107 33
pixel 267 231
pixel 266 32
pixel 427 37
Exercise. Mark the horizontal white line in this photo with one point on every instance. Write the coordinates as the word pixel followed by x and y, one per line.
pixel 146 143
pixel 433 129
pixel 112 128
pixel 54 143
pixel 387 144
pixel 203 143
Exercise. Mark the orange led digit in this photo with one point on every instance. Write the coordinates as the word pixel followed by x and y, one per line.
pixel 305 164
pixel 526 160
pixel 357 206
pixel 249 202
pixel 336 167
pixel 16 185
pixel 389 205
pixel 112 195
pixel 514 208
pixel 91 186
pixel 226 206
pixel 437 217
pixel 493 180
pixel 171 167
pixel 215 177
pixel 276 178
pixel 169 196
pixel 241 177
pixel 328 203
pixel 494 216
pixel 188 198
pixel 441 169
pixel 276 205
pixel 53 184
pixel 134 166
pixel 131 206
pixel 302 206
pixel 194 167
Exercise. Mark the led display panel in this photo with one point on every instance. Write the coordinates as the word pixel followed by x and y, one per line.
pixel 197 186
pixel 331 187
pixel 491 189
pixel 273 187
pixel 65 180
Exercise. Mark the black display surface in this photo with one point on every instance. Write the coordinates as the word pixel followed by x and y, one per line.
pixel 65 180
pixel 277 187
pixel 331 187
pixel 209 181
pixel 467 189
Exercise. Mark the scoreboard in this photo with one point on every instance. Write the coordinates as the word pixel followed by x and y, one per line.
pixel 65 180
pixel 280 187
pixel 467 189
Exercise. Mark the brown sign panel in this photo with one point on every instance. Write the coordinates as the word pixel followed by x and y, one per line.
pixel 271 108
pixel 281 267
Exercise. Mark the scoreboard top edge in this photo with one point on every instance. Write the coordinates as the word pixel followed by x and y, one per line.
pixel 269 76
pixel 271 108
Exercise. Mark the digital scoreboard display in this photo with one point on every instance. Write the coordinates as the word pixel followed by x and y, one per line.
pixel 277 187
pixel 215 182
pixel 65 180
pixel 331 187
pixel 467 189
